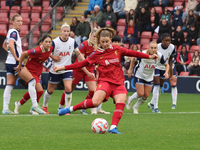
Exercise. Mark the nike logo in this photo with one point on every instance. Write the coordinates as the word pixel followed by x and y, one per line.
pixel 101 57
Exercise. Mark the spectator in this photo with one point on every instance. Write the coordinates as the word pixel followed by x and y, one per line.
pixel 198 39
pixel 191 36
pixel 131 33
pixel 129 5
pixel 195 57
pixel 52 3
pixel 106 3
pixel 173 12
pixel 195 69
pixel 74 24
pixel 165 27
pixel 118 6
pixel 154 18
pixel 183 59
pixel 94 25
pixel 177 19
pixel 116 40
pixel 31 2
pixel 83 29
pixel 11 2
pixel 162 3
pixel 178 37
pixel 143 21
pixel 142 4
pixel 166 15
pixel 108 15
pixel 192 4
pixel 91 5
pixel 108 24
pixel 97 15
pixel 191 19
pixel 130 16
pixel 76 38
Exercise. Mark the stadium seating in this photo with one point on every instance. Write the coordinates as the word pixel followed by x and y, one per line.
pixel 121 34
pixel 184 73
pixel 4 32
pixel 126 45
pixel 3 23
pixel 169 8
pixel 25 12
pixel 158 10
pixel 155 37
pixel 145 37
pixel 46 25
pixel 60 11
pixel 192 54
pixel 25 46
pixel 121 22
pixel 45 3
pixel 35 13
pixel 194 48
pixel 23 3
pixel 45 10
pixel 14 10
pixel 145 47
pixel 177 3
pixel 3 3
pixel 121 28
pixel 4 11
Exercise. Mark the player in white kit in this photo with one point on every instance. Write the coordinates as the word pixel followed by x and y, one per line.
pixel 168 51
pixel 144 72
pixel 63 48
pixel 12 45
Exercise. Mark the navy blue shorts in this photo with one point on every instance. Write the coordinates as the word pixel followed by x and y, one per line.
pixel 10 69
pixel 55 78
pixel 142 81
pixel 161 73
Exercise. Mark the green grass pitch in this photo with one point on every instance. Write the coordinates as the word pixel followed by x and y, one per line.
pixel 171 130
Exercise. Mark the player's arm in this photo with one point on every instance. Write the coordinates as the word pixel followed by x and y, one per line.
pixel 21 59
pixel 72 66
pixel 5 46
pixel 166 74
pixel 12 49
pixel 130 70
pixel 55 58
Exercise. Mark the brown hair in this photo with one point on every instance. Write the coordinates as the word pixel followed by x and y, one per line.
pixel 16 15
pixel 89 40
pixel 187 19
pixel 104 32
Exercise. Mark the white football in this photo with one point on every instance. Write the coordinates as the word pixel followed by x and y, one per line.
pixel 99 125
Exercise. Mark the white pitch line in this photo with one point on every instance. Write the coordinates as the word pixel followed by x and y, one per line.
pixel 28 115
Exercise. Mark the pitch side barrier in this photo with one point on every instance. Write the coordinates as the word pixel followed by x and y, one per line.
pixel 184 84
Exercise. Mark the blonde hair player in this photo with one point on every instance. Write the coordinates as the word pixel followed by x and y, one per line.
pixel 111 76
pixel 62 53
pixel 13 46
pixel 143 78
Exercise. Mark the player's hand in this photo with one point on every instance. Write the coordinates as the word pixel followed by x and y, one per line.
pixel 166 75
pixel 154 56
pixel 91 75
pixel 130 72
pixel 17 59
pixel 56 68
pixel 18 68
pixel 56 58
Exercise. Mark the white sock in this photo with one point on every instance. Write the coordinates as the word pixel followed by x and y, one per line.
pixel 68 99
pixel 133 97
pixel 61 106
pixel 46 98
pixel 7 96
pixel 140 101
pixel 112 127
pixel 32 92
pixel 155 95
pixel 71 109
pixel 99 107
pixel 174 94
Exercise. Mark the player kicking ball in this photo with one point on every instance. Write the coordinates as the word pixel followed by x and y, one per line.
pixel 111 76
pixel 144 72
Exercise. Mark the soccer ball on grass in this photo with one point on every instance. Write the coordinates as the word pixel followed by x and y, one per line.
pixel 99 125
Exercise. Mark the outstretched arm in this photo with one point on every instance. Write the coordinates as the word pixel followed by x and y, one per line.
pixel 72 66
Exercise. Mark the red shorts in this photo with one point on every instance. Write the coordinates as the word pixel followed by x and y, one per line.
pixel 111 89
pixel 36 77
pixel 78 76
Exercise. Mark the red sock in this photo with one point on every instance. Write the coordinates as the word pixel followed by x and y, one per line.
pixel 117 115
pixel 90 95
pixel 62 101
pixel 39 94
pixel 84 105
pixel 25 98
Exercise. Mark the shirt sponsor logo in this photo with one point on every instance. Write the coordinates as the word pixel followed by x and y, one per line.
pixel 64 54
pixel 149 66
pixel 114 60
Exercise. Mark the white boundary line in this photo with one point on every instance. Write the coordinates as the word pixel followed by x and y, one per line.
pixel 28 115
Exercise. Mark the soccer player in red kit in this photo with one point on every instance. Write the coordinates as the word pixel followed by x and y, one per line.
pixel 111 76
pixel 86 48
pixel 34 64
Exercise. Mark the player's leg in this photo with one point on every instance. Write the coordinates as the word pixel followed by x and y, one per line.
pixel 174 92
pixel 68 92
pixel 53 80
pixel 11 79
pixel 91 88
pixel 120 100
pixel 143 99
pixel 97 99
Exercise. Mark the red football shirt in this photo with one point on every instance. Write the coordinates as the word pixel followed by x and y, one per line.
pixel 109 62
pixel 36 59
pixel 87 50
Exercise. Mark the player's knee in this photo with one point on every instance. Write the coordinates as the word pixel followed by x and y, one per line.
pixel 140 94
pixel 68 89
pixel 96 103
pixel 50 91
